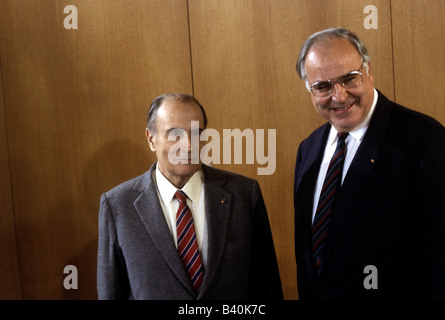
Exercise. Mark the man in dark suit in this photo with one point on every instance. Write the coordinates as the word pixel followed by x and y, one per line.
pixel 369 188
pixel 227 239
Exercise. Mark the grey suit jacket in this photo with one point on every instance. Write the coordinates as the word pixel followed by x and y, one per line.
pixel 137 257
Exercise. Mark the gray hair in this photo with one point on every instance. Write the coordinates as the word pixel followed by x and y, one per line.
pixel 157 102
pixel 325 35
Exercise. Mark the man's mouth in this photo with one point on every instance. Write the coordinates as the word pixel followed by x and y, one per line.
pixel 346 107
pixel 188 160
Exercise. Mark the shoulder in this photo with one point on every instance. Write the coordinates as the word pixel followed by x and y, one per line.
pixel 230 181
pixel 130 188
pixel 224 176
pixel 419 120
pixel 410 123
pixel 314 143
pixel 317 134
pixel 245 192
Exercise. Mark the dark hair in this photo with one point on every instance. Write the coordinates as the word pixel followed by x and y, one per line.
pixel 327 35
pixel 157 102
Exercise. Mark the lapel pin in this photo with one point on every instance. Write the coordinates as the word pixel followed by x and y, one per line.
pixel 372 160
pixel 223 200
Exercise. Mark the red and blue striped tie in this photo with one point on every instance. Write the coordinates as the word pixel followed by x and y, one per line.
pixel 329 193
pixel 187 243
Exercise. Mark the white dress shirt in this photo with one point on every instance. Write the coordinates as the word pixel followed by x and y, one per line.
pixel 194 189
pixel 352 144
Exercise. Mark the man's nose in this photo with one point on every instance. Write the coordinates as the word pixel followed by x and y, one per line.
pixel 188 143
pixel 339 93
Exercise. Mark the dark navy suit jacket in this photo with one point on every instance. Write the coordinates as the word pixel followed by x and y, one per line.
pixel 390 213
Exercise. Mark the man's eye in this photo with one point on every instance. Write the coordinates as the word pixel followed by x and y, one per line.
pixel 177 132
pixel 349 78
pixel 322 86
pixel 196 133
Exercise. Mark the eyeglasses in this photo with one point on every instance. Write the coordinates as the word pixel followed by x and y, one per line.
pixel 324 88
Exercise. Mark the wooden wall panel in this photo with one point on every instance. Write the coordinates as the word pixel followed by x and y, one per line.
pixel 9 268
pixel 76 103
pixel 243 59
pixel 419 60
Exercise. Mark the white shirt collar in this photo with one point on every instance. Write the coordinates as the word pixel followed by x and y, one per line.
pixel 358 132
pixel 167 190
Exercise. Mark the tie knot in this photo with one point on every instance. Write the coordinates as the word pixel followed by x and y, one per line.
pixel 342 135
pixel 180 195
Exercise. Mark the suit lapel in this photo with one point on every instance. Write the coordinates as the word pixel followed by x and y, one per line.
pixel 306 178
pixel 218 206
pixel 314 155
pixel 150 212
pixel 365 160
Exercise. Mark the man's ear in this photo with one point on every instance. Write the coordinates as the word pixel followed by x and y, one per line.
pixel 369 73
pixel 150 139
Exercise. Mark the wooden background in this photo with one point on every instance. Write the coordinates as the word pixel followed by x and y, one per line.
pixel 73 107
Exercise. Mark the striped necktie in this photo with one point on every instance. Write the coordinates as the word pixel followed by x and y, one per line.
pixel 187 243
pixel 329 193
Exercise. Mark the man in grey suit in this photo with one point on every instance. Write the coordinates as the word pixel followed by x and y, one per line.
pixel 139 255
